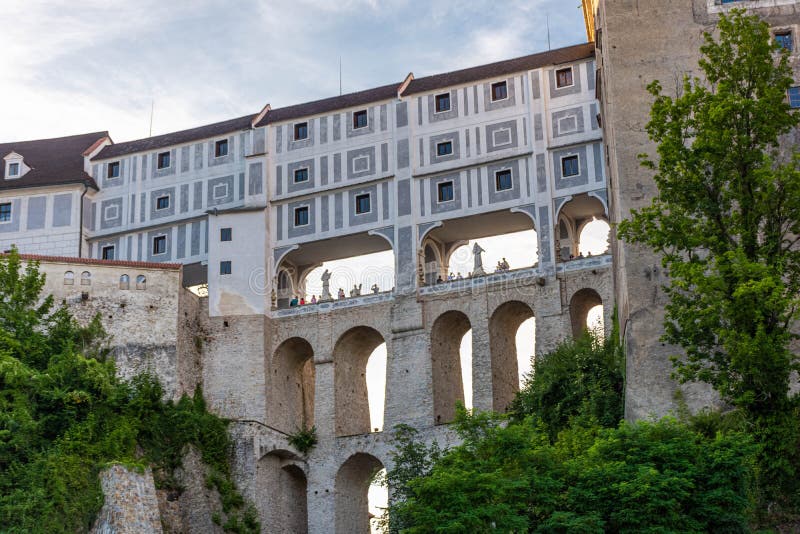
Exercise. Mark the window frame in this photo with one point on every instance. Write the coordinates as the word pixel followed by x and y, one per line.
pixel 10 212
pixel 356 115
pixel 502 83
pixel 158 202
pixel 571 77
pixel 159 239
pixel 105 249
pixel 305 180
pixel 217 148
pixel 113 170
pixel 358 198
pixel 786 33
pixel 449 143
pixel 226 234
pixel 436 100
pixel 160 159
pixel 296 128
pixel 295 213
pixel 497 176
pixel 793 98
pixel 570 157
pixel 225 267
pixel 450 184
pixel 14 165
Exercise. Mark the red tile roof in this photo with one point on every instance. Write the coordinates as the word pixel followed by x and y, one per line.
pixel 56 161
pixel 109 263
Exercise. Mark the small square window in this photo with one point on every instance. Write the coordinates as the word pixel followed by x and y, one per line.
pixel 444 149
pixel 225 267
pixel 13 169
pixel 499 91
pixel 300 175
pixel 362 204
pixel 108 252
pixel 5 212
pixel 160 244
pixel 445 191
pixel 502 180
pixel 301 216
pixel 163 160
pixel 564 78
pixel 162 203
pixel 784 40
pixel 442 102
pixel 360 119
pixel 794 97
pixel 221 148
pixel 300 131
pixel 225 234
pixel 113 170
pixel 570 166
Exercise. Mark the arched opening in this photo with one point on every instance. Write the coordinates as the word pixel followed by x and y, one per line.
pixel 593 238
pixel 352 489
pixel 285 290
pixel 124 282
pixel 504 325
pixel 283 502
pixel 141 282
pixel 290 398
pixel 86 278
pixel 431 264
pixel 69 278
pixel 351 354
pixel 449 384
pixel 580 305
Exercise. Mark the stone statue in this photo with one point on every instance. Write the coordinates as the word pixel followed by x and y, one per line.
pixel 274 298
pixel 477 269
pixel 326 287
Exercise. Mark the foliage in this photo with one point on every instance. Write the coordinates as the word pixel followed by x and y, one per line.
pixel 726 220
pixel 64 416
pixel 581 379
pixel 656 477
pixel 304 439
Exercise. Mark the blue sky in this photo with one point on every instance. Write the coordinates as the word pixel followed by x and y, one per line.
pixel 72 67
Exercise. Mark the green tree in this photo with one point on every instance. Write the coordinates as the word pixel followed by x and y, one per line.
pixel 726 221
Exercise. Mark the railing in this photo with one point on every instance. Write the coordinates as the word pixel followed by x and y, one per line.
pixel 331 305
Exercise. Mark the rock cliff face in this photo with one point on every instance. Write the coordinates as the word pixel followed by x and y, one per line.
pixel 131 506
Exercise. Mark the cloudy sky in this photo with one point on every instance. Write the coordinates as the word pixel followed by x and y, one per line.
pixel 88 65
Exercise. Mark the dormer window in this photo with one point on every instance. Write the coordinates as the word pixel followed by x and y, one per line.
pixel 13 170
pixel 14 166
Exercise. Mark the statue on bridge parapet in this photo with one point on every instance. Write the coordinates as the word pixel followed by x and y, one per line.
pixel 477 269
pixel 326 287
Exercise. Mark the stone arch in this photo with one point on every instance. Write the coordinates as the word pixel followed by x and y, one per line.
pixel 283 502
pixel 86 278
pixel 351 490
pixel 290 398
pixel 503 326
pixel 284 287
pixel 350 356
pixel 581 302
pixel 447 376
pixel 432 261
pixel 124 282
pixel 69 278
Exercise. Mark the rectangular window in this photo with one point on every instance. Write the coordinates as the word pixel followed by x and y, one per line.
pixel 442 102
pixel 221 148
pixel 113 170
pixel 570 166
pixel 108 252
pixel 445 190
pixel 300 175
pixel 360 119
pixel 162 203
pixel 300 131
pixel 160 244
pixel 13 169
pixel 225 234
pixel 794 97
pixel 362 204
pixel 444 149
pixel 784 40
pixel 163 160
pixel 301 216
pixel 225 267
pixel 502 180
pixel 499 91
pixel 5 212
pixel 564 78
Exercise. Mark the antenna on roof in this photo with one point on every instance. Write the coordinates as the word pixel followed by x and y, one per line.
pixel 340 75
pixel 548 32
pixel 152 107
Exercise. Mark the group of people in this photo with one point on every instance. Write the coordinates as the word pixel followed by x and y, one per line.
pixel 355 292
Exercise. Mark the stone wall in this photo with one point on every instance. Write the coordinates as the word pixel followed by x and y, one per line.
pixel 130 506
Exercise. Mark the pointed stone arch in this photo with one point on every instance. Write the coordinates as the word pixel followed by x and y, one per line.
pixel 351 490
pixel 581 302
pixel 503 326
pixel 350 356
pixel 290 397
pixel 446 373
